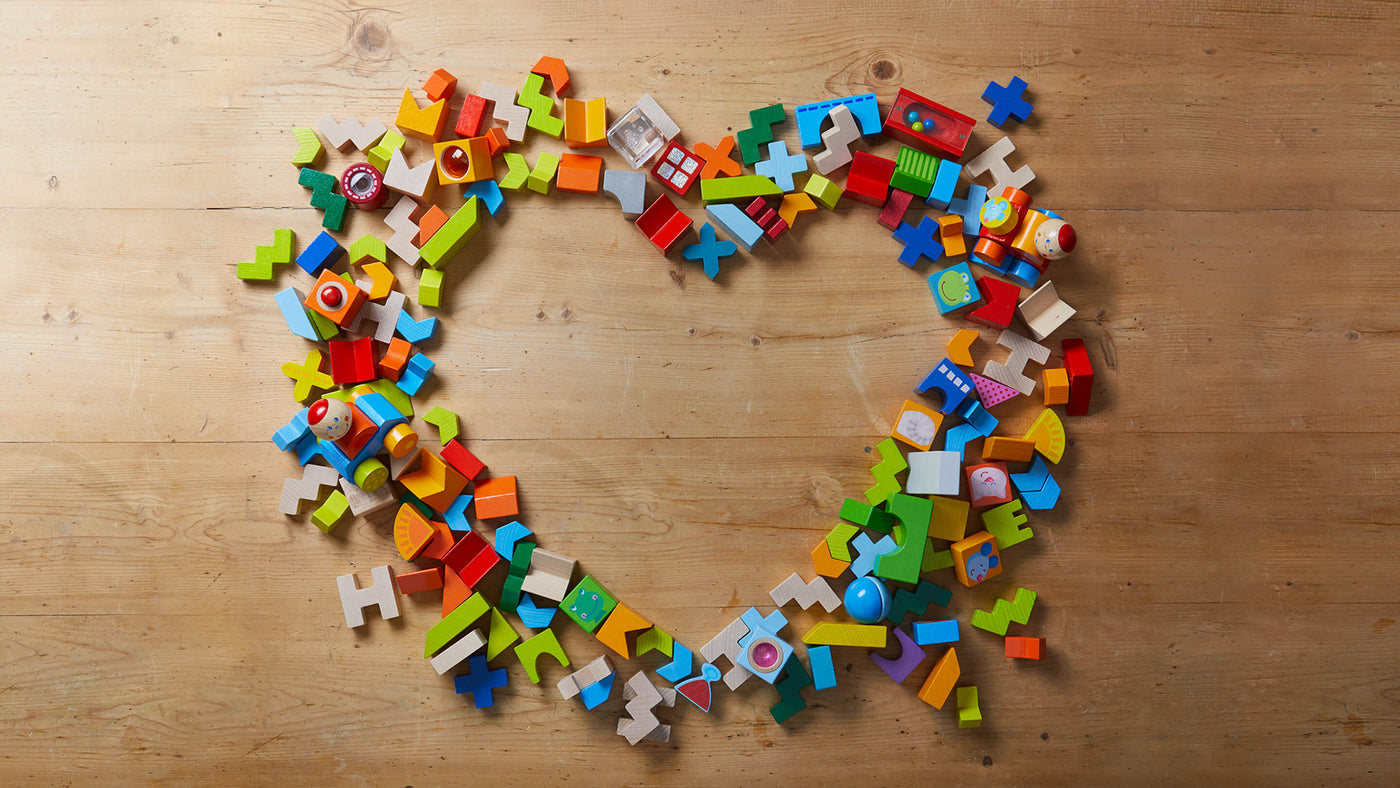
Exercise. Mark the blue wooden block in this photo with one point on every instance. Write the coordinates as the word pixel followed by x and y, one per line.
pixel 736 223
pixel 780 166
pixel 921 241
pixel 958 438
pixel 307 448
pixel 1038 488
pixel 288 434
pixel 680 665
pixel 766 627
pixel 709 251
pixel 928 633
pixel 947 378
pixel 417 372
pixel 944 184
pixel 489 192
pixel 532 615
pixel 378 408
pixel 479 681
pixel 970 208
pixel 953 288
pixel 596 693
pixel 321 254
pixel 868 552
pixel 865 108
pixel 456 514
pixel 977 416
pixel 289 301
pixel 1007 102
pixel 823 672
pixel 415 331
pixel 506 537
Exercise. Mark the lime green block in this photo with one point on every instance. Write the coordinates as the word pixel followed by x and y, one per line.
pixel 502 635
pixel 657 639
pixel 821 189
pixel 518 172
pixel 325 329
pixel 914 172
pixel 380 154
pixel 454 624
pixel 329 515
pixel 737 188
pixel 838 541
pixel 936 559
pixel 430 287
pixel 543 174
pixel 309 147
pixel 445 421
pixel 529 653
pixel 455 234
pixel 969 714
pixel 368 248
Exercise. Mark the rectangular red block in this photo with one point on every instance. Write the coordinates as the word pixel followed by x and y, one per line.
pixel 420 581
pixel 895 209
pixel 941 130
pixel 869 178
pixel 1081 377
pixel 1025 648
pixel 352 360
pixel 464 461
pixel 469 119
pixel 663 223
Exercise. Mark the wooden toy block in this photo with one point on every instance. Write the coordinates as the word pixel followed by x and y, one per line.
pixel 367 250
pixel 445 421
pixel 952 288
pixel 893 214
pixel 824 564
pixel 735 223
pixel 760 131
pixel 780 166
pixel 959 348
pixel 354 600
pixel 585 123
pixel 862 514
pixel 592 673
pixel 505 109
pixel 489 192
pixel 549 575
pixel 532 615
pixel 502 634
pixel 1025 648
pixel 921 241
pixel 823 670
pixel 823 191
pixel 423 123
pixel 970 209
pixel 419 368
pixel 914 172
pixel 1054 383
pixel 265 257
pixel 442 542
pixel 975 558
pixel 709 251
pixel 430 287
pixel 655 639
pixel 828 633
pixel 308 376
pixel 744 187
pixel 993 160
pixel 1003 613
pixel 470 116
pixel 330 513
pixel 905 562
pixel 868 552
pixel 990 392
pixel 865 108
pixel 464 461
pixel 910 657
pixel 697 689
pixel 1007 101
pixel 364 503
pixel 435 482
pixel 934 473
pixel 836 141
pixel 580 174
pixel 401 219
pixel 543 174
pixel 805 594
pixel 891 463
pixel 379 155
pixel 969 715
pixel 950 235
pixel 927 125
pixel 323 197
pixel 529 653
pixel 1010 449
pixel 457 653
pixel 658 117
pixel 456 234
pixel 310 151
pixel 1023 351
pixel 717 159
pixel 868 180
pixel 935 560
pixel 663 223
pixel 1004 524
pixel 762 651
pixel 416 182
pixel 680 665
pixel 453 624
pixel 640 723
pixel 588 604
pixel 628 188
pixel 350 132
pixel 433 220
pixel 441 85
pixel 931 633
pixel 944 184
pixel 464 161
pixel 949 520
pixel 1048 432
pixel 417 582
pixel 479 680
pixel 766 218
pixel 726 644
pixel 1038 488
pixel 335 299
pixel 794 204
pixel 988 484
pixel 1043 311
pixel 677 169
pixel 408 463
pixel 455 591
pixel 1081 378
pixel 837 541
pixel 352 361
pixel 939 684
pixel 917 601
pixel 456 515
pixel 542 117
pixel 518 172
pixel 385 317
pixel 789 688
pixel 496 498
pixel 619 624
pixel 411 532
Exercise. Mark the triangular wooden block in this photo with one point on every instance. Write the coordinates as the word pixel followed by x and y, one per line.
pixel 991 392
pixel 411 532
pixel 454 591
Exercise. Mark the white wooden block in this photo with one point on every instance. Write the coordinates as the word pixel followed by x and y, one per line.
pixel 837 140
pixel 793 589
pixel 1023 351
pixel 385 316
pixel 366 503
pixel 589 674
pixel 403 220
pixel 641 697
pixel 658 116
pixel 297 493
pixel 1044 311
pixel 353 599
pixel 506 110
pixel 934 473
pixel 453 655
pixel 351 131
pixel 549 575
pixel 416 182
pixel 726 644
pixel 993 159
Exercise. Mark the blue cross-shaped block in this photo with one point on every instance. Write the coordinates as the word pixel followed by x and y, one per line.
pixel 709 250
pixel 1007 101
pixel 780 166
pixel 867 551
pixel 919 241
pixel 480 680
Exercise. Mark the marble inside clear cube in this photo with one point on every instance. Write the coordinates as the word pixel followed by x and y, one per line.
pixel 636 138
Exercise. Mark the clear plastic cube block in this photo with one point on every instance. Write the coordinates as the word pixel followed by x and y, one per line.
pixel 636 138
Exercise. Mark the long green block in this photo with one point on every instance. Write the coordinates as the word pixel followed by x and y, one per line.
pixel 454 624
pixel 914 172
pixel 740 187
pixel 865 515
pixel 452 236
pixel 891 463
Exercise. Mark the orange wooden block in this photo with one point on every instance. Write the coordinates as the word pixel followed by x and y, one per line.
pixel 496 498
pixel 335 299
pixel 411 532
pixel 435 482
pixel 976 558
pixel 579 174
pixel 455 591
pixel 424 123
pixel 496 141
pixel 440 85
pixel 420 581
pixel 586 123
pixel 950 235
pixel 463 161
pixel 959 347
pixel 940 682
pixel 1056 384
pixel 917 425
pixel 552 69
pixel 441 542
pixel 431 222
pixel 825 565
pixel 621 622
pixel 717 161
pixel 1002 448
pixel 395 357
pixel 1025 648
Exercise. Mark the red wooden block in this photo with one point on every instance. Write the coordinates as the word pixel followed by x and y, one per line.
pixel 895 208
pixel 1000 306
pixel 678 169
pixel 420 581
pixel 441 543
pixel 869 178
pixel 663 223
pixel 469 119
pixel 352 360
pixel 941 131
pixel 1025 648
pixel 1081 377
pixel 464 461
pixel 471 558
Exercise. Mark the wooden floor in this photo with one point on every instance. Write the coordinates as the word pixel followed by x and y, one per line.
pixel 1218 585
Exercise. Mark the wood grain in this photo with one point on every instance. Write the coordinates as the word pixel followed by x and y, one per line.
pixel 1218 585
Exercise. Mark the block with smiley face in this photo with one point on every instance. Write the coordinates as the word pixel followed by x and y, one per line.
pixel 917 425
pixel 953 288
pixel 988 484
pixel 976 558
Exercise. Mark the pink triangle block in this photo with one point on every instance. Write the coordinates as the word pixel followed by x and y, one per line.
pixel 991 392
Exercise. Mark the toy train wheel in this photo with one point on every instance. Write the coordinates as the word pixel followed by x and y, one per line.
pixel 371 475
pixel 401 440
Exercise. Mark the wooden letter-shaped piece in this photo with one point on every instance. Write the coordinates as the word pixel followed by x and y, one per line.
pixel 726 644
pixel 544 643
pixel 837 140
pixel 506 110
pixel 296 493
pixel 993 159
pixel 805 594
pixel 592 673
pixel 1011 373
pixel 642 697
pixel 353 599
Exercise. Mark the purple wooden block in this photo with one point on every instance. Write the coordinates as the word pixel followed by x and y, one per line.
pixel 910 655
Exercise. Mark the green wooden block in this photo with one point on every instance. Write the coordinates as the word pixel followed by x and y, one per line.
pixel 891 464
pixel 543 173
pixel 379 155
pixel 502 635
pixel 914 172
pixel 454 624
pixel 532 97
pixel 430 287
pixel 265 258
pixel 937 559
pixel 823 190
pixel 655 638
pixel 737 188
pixel 760 131
pixel 518 172
pixel 325 329
pixel 969 715
pixel 529 652
pixel 445 421
pixel 330 513
pixel 367 248
pixel 907 560
pixel 309 147
pixel 1003 522
pixel 588 604
pixel 838 541
pixel 863 514
pixel 456 233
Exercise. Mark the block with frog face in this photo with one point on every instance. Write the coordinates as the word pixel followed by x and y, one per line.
pixel 588 603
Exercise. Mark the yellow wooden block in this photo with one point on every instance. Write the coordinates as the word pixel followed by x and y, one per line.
pixel 794 204
pixel 1048 432
pixel 381 280
pixel 463 161
pixel 1011 449
pixel 939 684
pixel 959 348
pixel 949 520
pixel 829 633
pixel 586 123
pixel 424 123
pixel 1055 382
pixel 950 235
pixel 619 623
